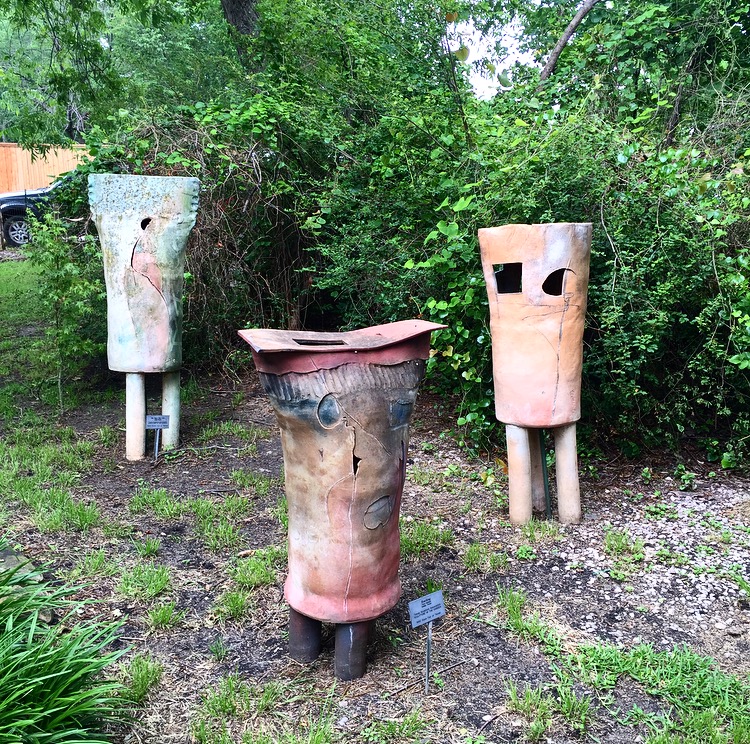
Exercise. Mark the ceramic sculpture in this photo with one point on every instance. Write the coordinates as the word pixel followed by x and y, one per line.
pixel 143 224
pixel 537 279
pixel 343 402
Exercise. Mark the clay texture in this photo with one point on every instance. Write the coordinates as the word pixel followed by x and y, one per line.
pixel 143 224
pixel 345 433
pixel 537 278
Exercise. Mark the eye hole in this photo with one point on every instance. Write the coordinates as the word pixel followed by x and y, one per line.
pixel 145 223
pixel 554 284
pixel 508 278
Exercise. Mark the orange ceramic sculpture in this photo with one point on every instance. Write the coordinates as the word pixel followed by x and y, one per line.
pixel 537 278
pixel 343 402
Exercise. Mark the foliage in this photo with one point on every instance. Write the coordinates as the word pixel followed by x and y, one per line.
pixel 346 167
pixel 71 290
pixel 51 674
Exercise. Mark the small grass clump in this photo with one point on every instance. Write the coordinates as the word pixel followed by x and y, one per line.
pixel 418 538
pixel 407 728
pixel 480 558
pixel 625 551
pixel 53 677
pixel 93 564
pixel 159 500
pixel 142 674
pixel 257 482
pixel 226 429
pixel 259 569
pixel 144 581
pixel 165 616
pixel 233 605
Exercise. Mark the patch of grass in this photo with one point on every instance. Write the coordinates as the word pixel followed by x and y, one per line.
pixel 141 675
pixel 220 535
pixel 218 649
pixel 165 616
pixel 407 728
pixel 535 705
pixel 480 558
pixel 625 551
pixel 93 564
pixel 259 569
pixel 226 429
pixel 281 511
pixel 159 500
pixel 425 477
pixel 108 436
pixel 149 548
pixel 249 480
pixel 55 510
pixel 53 679
pixel 233 605
pixel 541 530
pixel 704 699
pixel 528 626
pixel 418 538
pixel 144 581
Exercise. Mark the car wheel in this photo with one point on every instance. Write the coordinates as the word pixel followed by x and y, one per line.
pixel 16 230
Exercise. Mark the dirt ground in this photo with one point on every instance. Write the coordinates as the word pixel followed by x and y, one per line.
pixel 679 592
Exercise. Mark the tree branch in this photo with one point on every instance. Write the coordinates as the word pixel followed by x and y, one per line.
pixel 584 10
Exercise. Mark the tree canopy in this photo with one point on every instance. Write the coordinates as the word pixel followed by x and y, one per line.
pixel 346 165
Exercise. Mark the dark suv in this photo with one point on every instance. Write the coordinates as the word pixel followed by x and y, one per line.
pixel 14 210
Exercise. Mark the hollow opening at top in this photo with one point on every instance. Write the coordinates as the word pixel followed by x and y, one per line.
pixel 319 342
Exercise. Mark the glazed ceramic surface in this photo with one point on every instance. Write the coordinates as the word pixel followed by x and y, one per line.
pixel 143 224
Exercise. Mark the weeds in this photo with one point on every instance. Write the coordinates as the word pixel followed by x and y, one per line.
pixel 141 675
pixel 144 581
pixel 418 538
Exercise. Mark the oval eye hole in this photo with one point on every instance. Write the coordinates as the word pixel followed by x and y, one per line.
pixel 145 223
pixel 554 284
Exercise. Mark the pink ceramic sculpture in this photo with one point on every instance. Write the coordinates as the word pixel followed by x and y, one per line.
pixel 343 402
pixel 537 278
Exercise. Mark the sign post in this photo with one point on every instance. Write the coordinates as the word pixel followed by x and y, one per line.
pixel 157 423
pixel 425 610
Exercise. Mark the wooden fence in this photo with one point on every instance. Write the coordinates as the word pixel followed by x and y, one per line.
pixel 18 171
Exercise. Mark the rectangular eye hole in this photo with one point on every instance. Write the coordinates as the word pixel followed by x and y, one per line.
pixel 508 278
pixel 319 342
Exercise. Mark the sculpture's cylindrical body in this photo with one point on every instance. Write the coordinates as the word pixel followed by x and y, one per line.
pixel 343 403
pixel 143 224
pixel 537 277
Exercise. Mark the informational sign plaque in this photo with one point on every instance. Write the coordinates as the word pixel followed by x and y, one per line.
pixel 427 608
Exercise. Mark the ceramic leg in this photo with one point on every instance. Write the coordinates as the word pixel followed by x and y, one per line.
pixel 351 650
pixel 170 406
pixel 519 474
pixel 135 416
pixel 566 464
pixel 304 637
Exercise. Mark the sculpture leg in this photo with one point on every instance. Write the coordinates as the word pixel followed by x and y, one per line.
pixel 568 489
pixel 170 406
pixel 350 661
pixel 304 637
pixel 135 416
pixel 538 499
pixel 519 474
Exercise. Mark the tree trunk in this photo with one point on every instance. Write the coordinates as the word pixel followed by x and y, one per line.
pixel 584 10
pixel 241 15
